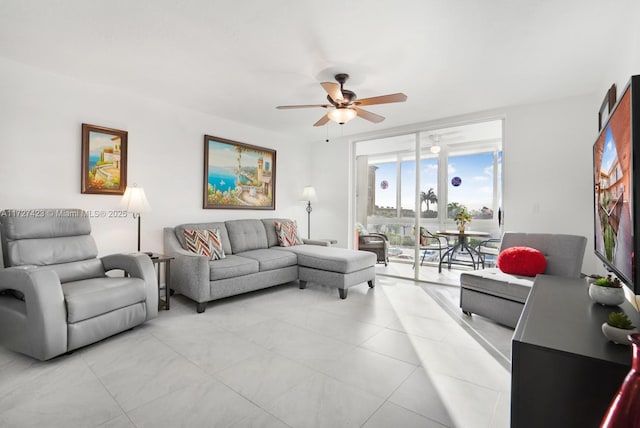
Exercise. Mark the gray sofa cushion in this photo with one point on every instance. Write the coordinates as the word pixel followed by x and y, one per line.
pixel 495 282
pixel 224 236
pixel 269 259
pixel 92 297
pixel 331 258
pixel 231 266
pixel 245 235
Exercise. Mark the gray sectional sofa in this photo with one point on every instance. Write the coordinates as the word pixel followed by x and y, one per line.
pixel 254 260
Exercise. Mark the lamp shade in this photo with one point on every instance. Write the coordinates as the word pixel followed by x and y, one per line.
pixel 342 115
pixel 134 200
pixel 309 194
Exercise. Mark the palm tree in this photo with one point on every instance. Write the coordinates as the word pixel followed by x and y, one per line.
pixel 428 197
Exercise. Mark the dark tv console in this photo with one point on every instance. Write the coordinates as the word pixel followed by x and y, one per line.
pixel 564 371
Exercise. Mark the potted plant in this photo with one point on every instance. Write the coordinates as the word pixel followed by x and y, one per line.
pixel 461 216
pixel 607 291
pixel 618 327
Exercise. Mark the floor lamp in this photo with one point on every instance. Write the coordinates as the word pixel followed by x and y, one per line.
pixel 135 202
pixel 309 195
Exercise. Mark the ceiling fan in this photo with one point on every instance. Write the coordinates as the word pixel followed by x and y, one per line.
pixel 345 104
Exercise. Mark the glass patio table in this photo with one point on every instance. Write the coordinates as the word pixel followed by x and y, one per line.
pixel 462 244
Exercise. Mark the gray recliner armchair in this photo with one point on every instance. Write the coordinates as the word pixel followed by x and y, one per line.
pixel 55 295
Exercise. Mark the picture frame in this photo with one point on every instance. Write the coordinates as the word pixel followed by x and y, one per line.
pixel 606 107
pixel 238 175
pixel 104 160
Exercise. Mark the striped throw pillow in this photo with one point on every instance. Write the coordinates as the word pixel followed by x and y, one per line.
pixel 205 242
pixel 287 232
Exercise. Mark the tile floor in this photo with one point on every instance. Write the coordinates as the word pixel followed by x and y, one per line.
pixel 281 357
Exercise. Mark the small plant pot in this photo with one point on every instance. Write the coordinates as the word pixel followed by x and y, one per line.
pixel 617 335
pixel 608 296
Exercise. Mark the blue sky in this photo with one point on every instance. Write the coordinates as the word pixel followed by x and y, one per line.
pixel 609 154
pixel 475 172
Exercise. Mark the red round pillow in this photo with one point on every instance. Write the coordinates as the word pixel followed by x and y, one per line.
pixel 523 261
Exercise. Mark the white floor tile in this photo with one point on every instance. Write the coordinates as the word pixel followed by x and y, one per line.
pixel 264 377
pixel 82 405
pixel 419 394
pixel 393 344
pixel 204 404
pixel 391 415
pixel 469 405
pixel 334 326
pixel 324 402
pixel 378 374
pixel 260 419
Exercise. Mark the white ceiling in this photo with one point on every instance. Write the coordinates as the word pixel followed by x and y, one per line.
pixel 239 59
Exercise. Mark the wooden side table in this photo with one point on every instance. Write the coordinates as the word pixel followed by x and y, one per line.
pixel 163 263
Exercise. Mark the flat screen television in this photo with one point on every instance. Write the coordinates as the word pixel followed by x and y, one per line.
pixel 616 178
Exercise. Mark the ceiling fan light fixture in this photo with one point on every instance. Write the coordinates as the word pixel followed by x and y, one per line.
pixel 342 115
pixel 435 145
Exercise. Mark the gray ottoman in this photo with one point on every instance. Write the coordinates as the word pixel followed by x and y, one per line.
pixel 335 267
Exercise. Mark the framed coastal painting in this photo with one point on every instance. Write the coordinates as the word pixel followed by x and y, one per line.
pixel 238 176
pixel 104 160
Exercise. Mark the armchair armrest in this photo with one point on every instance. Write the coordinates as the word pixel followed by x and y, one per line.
pixel 137 266
pixel 37 327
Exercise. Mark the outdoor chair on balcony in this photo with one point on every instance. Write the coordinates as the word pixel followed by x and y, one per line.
pixel 377 243
pixel 489 247
pixel 430 242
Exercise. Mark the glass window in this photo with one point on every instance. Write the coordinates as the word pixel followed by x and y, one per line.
pixel 383 178
pixel 408 188
pixel 470 184
pixel 429 188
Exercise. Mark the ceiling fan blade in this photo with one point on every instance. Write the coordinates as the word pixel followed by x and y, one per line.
pixel 304 106
pixel 333 89
pixel 324 119
pixel 372 117
pixel 382 99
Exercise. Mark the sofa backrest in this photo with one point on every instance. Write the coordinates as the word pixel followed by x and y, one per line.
pixel 224 236
pixel 245 235
pixel 564 253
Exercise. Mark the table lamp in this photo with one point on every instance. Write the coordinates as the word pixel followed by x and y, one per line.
pixel 135 202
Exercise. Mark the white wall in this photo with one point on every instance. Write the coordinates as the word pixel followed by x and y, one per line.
pixel 40 141
pixel 547 171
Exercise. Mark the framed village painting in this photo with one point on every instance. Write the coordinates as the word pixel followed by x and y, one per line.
pixel 238 176
pixel 104 160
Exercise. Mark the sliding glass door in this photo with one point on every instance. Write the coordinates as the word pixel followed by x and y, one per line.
pixel 409 185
